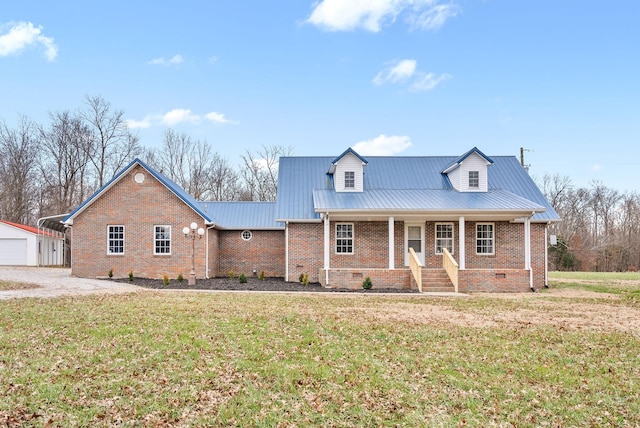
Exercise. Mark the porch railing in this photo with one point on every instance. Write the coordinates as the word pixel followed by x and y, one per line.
pixel 451 267
pixel 416 268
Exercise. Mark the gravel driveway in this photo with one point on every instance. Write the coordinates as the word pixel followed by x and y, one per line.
pixel 56 282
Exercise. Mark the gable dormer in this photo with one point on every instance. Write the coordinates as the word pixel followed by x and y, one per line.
pixel 348 172
pixel 469 173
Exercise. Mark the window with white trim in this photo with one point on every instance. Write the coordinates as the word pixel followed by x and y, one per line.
pixel 115 239
pixel 485 238
pixel 344 238
pixel 349 180
pixel 474 179
pixel 246 235
pixel 162 240
pixel 444 237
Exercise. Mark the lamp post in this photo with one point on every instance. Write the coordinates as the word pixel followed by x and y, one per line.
pixel 193 232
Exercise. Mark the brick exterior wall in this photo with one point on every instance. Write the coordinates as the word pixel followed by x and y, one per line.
pixel 263 252
pixel 306 250
pixel 138 207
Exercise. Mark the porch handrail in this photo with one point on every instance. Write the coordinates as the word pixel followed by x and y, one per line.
pixel 416 268
pixel 451 267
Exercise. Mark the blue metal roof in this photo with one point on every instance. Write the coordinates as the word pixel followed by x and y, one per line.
pixel 173 187
pixel 353 152
pixel 299 177
pixel 411 200
pixel 243 215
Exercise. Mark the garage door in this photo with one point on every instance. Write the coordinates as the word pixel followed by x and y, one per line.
pixel 13 252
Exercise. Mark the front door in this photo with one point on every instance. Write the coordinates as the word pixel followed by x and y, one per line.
pixel 414 238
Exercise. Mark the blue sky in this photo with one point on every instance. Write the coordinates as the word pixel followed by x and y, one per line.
pixel 402 77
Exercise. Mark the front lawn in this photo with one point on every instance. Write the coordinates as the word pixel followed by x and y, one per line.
pixel 194 359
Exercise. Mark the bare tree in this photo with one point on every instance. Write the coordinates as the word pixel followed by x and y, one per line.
pixel 196 167
pixel 64 167
pixel 18 171
pixel 112 143
pixel 260 172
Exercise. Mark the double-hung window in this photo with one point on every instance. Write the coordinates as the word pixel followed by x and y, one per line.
pixel 162 240
pixel 485 238
pixel 115 239
pixel 344 238
pixel 474 179
pixel 349 180
pixel 444 237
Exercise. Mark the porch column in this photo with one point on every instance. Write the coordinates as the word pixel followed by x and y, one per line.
pixel 461 262
pixel 527 250
pixel 527 243
pixel 327 247
pixel 391 244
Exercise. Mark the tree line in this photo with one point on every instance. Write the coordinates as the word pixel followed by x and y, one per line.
pixel 600 227
pixel 49 169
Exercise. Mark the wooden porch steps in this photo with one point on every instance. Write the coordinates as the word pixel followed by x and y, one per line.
pixel 436 280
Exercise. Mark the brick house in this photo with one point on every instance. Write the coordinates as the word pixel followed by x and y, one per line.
pixel 469 223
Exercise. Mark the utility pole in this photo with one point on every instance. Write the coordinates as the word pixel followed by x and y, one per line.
pixel 522 150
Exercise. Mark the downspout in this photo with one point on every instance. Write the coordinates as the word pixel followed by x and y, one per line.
pixel 327 248
pixel 206 251
pixel 546 256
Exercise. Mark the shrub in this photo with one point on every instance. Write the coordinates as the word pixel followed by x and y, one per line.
pixel 165 280
pixel 180 277
pixel 242 278
pixel 261 277
pixel 301 277
pixel 110 273
pixel 367 284
pixel 232 274
pixel 131 275
pixel 305 279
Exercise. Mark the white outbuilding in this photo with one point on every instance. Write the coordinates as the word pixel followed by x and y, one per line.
pixel 22 245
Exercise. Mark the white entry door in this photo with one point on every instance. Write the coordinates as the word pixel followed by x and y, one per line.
pixel 414 238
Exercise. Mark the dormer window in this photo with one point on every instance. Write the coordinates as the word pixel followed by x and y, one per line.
pixel 474 179
pixel 349 179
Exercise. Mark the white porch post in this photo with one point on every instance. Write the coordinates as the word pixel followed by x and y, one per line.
pixel 461 262
pixel 391 244
pixel 527 243
pixel 527 249
pixel 286 251
pixel 327 247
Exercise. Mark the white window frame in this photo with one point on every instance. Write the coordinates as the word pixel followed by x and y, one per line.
pixel 492 239
pixel 474 182
pixel 246 235
pixel 349 239
pixel 156 240
pixel 349 179
pixel 437 239
pixel 110 239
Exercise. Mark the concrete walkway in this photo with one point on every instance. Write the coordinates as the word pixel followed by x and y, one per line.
pixel 56 282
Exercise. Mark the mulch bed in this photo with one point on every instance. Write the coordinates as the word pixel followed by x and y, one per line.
pixel 252 284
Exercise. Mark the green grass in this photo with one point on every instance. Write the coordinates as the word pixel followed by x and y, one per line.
pixel 14 285
pixel 188 359
pixel 624 284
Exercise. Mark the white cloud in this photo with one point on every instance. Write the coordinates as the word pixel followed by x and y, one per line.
pixel 175 117
pixel 134 124
pixel 383 145
pixel 219 118
pixel 24 34
pixel 406 71
pixel 179 115
pixel 174 60
pixel 428 81
pixel 371 15
pixel 596 168
pixel 400 71
pixel 435 17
